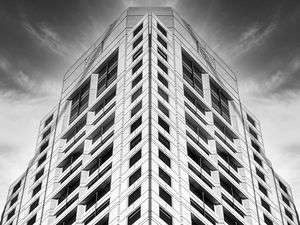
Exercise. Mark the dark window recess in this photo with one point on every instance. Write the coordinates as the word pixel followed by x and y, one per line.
pixel 162 41
pixel 258 160
pixel 165 216
pixel 104 220
pixel 163 109
pixel 198 159
pixel 192 73
pixel 104 127
pixel 230 219
pixel 251 120
pixel 105 100
pixel 165 196
pixel 135 176
pixel 134 216
pixel 194 101
pixel 137 139
pixel 283 187
pixel 134 196
pixel 136 124
pixel 163 124
pixel 107 72
pixel 196 128
pixel 137 53
pixel 163 94
pixel 260 174
pixel 162 80
pixel 68 189
pixel 220 101
pixel 202 212
pixel 288 214
pixel 79 102
pixel 14 200
pixel 253 133
pixel 17 186
pixel 75 129
pixel 263 189
pixel 101 159
pixel 136 94
pixel 69 219
pixel 34 205
pixel 234 192
pixel 164 176
pixel 39 174
pixel 161 29
pixel 137 66
pixel 267 220
pixel 228 159
pixel 255 146
pixel 265 205
pixel 48 120
pixel 97 212
pixel 11 214
pixel 32 220
pixel 46 133
pixel 136 157
pixel 100 192
pixel 196 221
pixel 163 157
pixel 137 80
pixel 201 194
pixel 285 200
pixel 41 160
pixel 138 29
pixel 136 108
pixel 70 159
pixel 164 141
pixel 44 146
pixel 137 41
pixel 162 66
pixel 162 53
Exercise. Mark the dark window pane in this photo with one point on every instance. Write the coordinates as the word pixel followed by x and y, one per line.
pixel 138 29
pixel 137 53
pixel 134 196
pixel 165 196
pixel 137 139
pixel 163 157
pixel 161 29
pixel 163 109
pixel 137 108
pixel 136 94
pixel 165 216
pixel 162 80
pixel 136 157
pixel 163 124
pixel 162 41
pixel 135 176
pixel 162 53
pixel 136 124
pixel 137 41
pixel 163 94
pixel 34 205
pixel 137 66
pixel 164 176
pixel 162 66
pixel 164 141
pixel 133 217
pixel 137 80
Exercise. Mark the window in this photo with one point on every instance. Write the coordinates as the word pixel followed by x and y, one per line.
pixel 220 101
pixel 283 187
pixel 136 124
pixel 13 201
pixel 165 196
pixel 41 160
pixel 285 200
pixel 260 174
pixel 107 72
pixel 135 176
pixel 258 160
pixel 163 94
pixel 163 157
pixel 138 29
pixel 193 99
pixel 263 189
pixel 17 186
pixel 162 53
pixel 137 41
pixel 137 53
pixel 11 214
pixel 165 216
pixel 267 220
pixel 253 133
pixel 137 66
pixel 44 146
pixel 137 108
pixel 265 205
pixel 251 120
pixel 36 189
pixel 39 174
pixel 164 176
pixel 136 157
pixel 162 41
pixel 137 80
pixel 255 146
pixel 133 217
pixel 162 66
pixel 46 133
pixel 32 220
pixel 161 29
pixel 163 109
pixel 34 205
pixel 162 80
pixel 136 94
pixel 192 73
pixel 137 139
pixel 164 141
pixel 79 101
pixel 48 120
pixel 288 214
pixel 163 124
pixel 134 196
pixel 97 212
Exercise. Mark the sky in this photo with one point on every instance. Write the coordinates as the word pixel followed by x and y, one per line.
pixel 40 40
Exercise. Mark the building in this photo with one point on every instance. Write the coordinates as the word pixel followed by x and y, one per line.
pixel 150 129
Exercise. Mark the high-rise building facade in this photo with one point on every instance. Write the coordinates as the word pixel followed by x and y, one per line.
pixel 150 129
